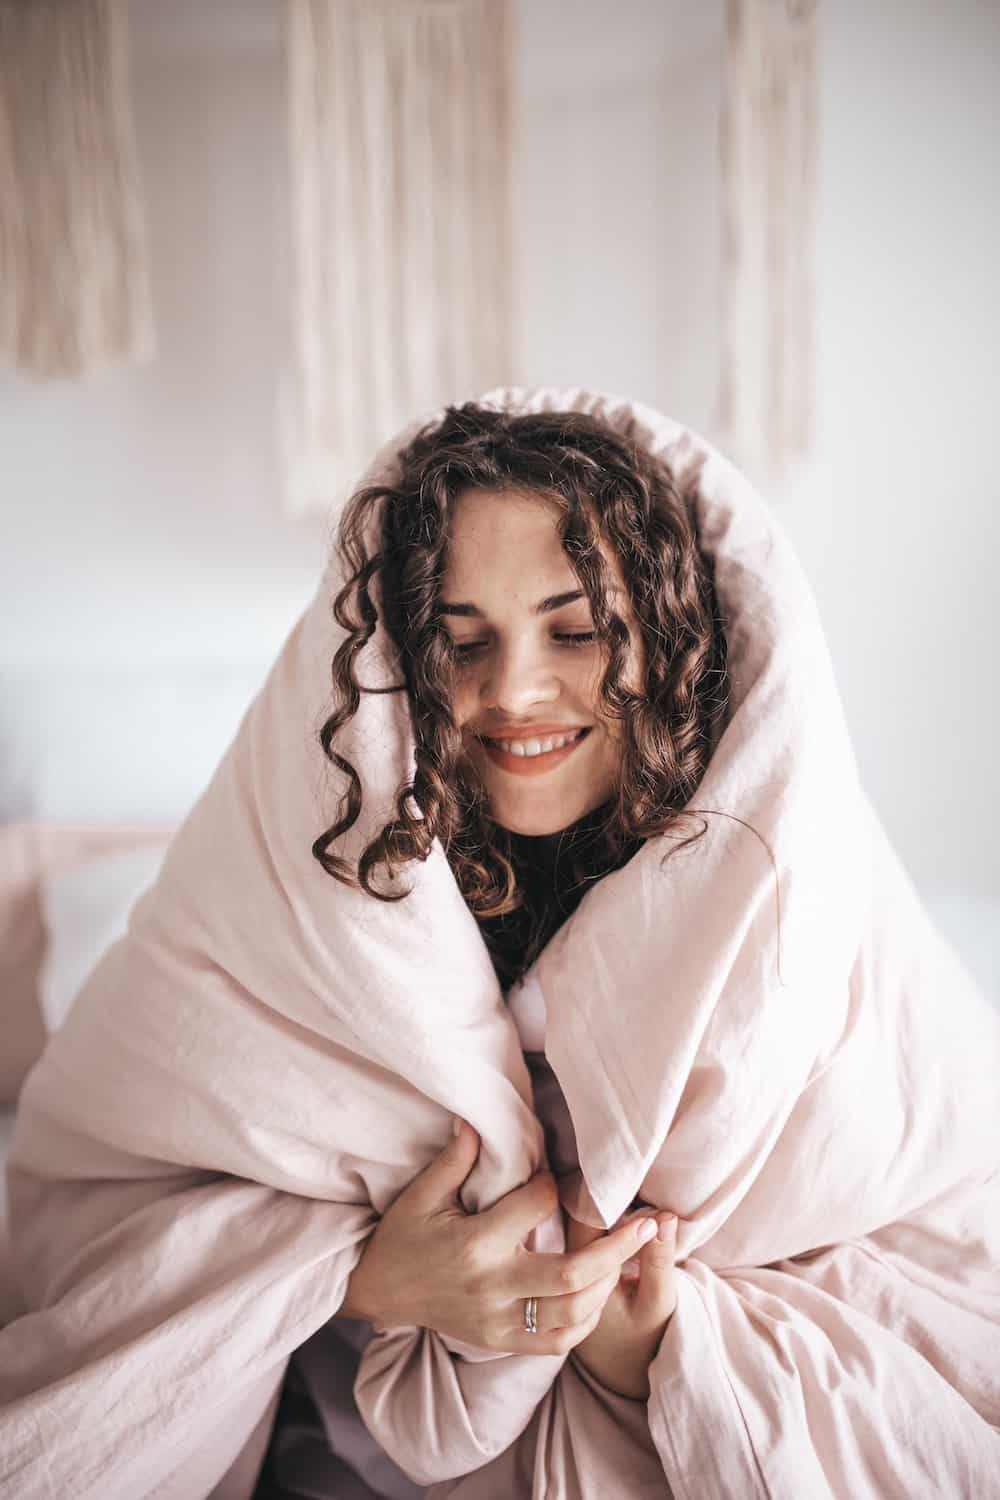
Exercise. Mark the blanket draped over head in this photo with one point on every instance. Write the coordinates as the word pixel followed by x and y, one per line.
pixel 762 1033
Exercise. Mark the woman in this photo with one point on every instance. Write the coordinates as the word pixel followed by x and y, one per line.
pixel 257 1078
pixel 563 656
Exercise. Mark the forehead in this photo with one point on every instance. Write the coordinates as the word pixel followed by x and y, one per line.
pixel 490 530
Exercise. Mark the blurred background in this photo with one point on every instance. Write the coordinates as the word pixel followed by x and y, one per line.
pixel 152 561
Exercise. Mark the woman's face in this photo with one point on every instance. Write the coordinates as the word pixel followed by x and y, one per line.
pixel 528 668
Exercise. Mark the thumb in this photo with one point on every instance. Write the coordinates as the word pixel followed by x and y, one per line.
pixel 656 1294
pixel 436 1187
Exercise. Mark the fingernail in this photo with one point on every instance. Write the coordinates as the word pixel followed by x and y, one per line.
pixel 646 1230
pixel 667 1228
pixel 456 1125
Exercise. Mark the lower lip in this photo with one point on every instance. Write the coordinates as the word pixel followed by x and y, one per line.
pixel 532 765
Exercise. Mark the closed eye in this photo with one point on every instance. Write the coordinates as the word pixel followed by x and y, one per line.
pixel 466 650
pixel 469 650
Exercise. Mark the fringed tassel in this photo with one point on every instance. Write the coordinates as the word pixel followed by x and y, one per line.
pixel 769 169
pixel 73 280
pixel 400 137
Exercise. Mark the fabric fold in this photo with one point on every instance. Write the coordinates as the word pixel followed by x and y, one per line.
pixel 779 1356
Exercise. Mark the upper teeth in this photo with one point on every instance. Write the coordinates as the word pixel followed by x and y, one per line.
pixel 537 747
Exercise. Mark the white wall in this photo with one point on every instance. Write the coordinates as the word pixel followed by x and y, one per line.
pixel 140 509
pixel 141 519
pixel 616 193
pixel 902 542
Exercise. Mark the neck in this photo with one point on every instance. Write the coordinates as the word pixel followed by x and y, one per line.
pixel 553 873
pixel 548 847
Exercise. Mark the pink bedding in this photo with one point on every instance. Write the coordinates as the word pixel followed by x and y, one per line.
pixel 764 1035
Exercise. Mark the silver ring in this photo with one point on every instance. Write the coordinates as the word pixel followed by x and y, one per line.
pixel 531 1314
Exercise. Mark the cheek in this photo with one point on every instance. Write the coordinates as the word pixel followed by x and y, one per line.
pixel 464 698
pixel 583 680
pixel 634 674
pixel 633 677
pixel 587 679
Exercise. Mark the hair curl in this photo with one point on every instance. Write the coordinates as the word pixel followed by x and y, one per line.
pixel 605 487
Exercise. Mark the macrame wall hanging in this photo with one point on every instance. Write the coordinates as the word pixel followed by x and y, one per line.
pixel 73 280
pixel 769 169
pixel 400 223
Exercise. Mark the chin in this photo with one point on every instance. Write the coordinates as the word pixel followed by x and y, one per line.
pixel 532 827
pixel 536 822
pixel 536 807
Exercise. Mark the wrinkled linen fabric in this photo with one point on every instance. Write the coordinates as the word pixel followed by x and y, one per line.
pixel 762 1033
pixel 321 1448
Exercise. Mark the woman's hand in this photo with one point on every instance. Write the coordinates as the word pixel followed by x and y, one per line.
pixel 431 1264
pixel 624 1342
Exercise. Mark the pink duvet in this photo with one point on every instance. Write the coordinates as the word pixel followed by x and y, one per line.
pixel 764 1035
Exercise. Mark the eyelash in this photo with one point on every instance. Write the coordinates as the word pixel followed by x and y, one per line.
pixel 465 651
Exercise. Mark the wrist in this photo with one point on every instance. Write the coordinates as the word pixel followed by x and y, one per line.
pixel 359 1300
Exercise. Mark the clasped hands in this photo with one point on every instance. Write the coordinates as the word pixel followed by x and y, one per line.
pixel 606 1299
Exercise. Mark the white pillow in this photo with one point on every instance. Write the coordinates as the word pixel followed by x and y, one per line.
pixel 86 909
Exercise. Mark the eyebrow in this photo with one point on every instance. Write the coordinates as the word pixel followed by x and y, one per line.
pixel 543 607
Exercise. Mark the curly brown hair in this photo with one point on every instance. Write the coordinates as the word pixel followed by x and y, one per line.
pixel 605 486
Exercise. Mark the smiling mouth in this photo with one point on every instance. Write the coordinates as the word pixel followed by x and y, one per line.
pixel 533 747
pixel 529 757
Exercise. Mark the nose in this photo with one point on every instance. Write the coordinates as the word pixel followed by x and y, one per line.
pixel 518 679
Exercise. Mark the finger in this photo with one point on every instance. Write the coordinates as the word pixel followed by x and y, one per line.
pixel 656 1295
pixel 636 1220
pixel 574 1308
pixel 437 1186
pixel 555 1341
pixel 540 1274
pixel 513 1218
